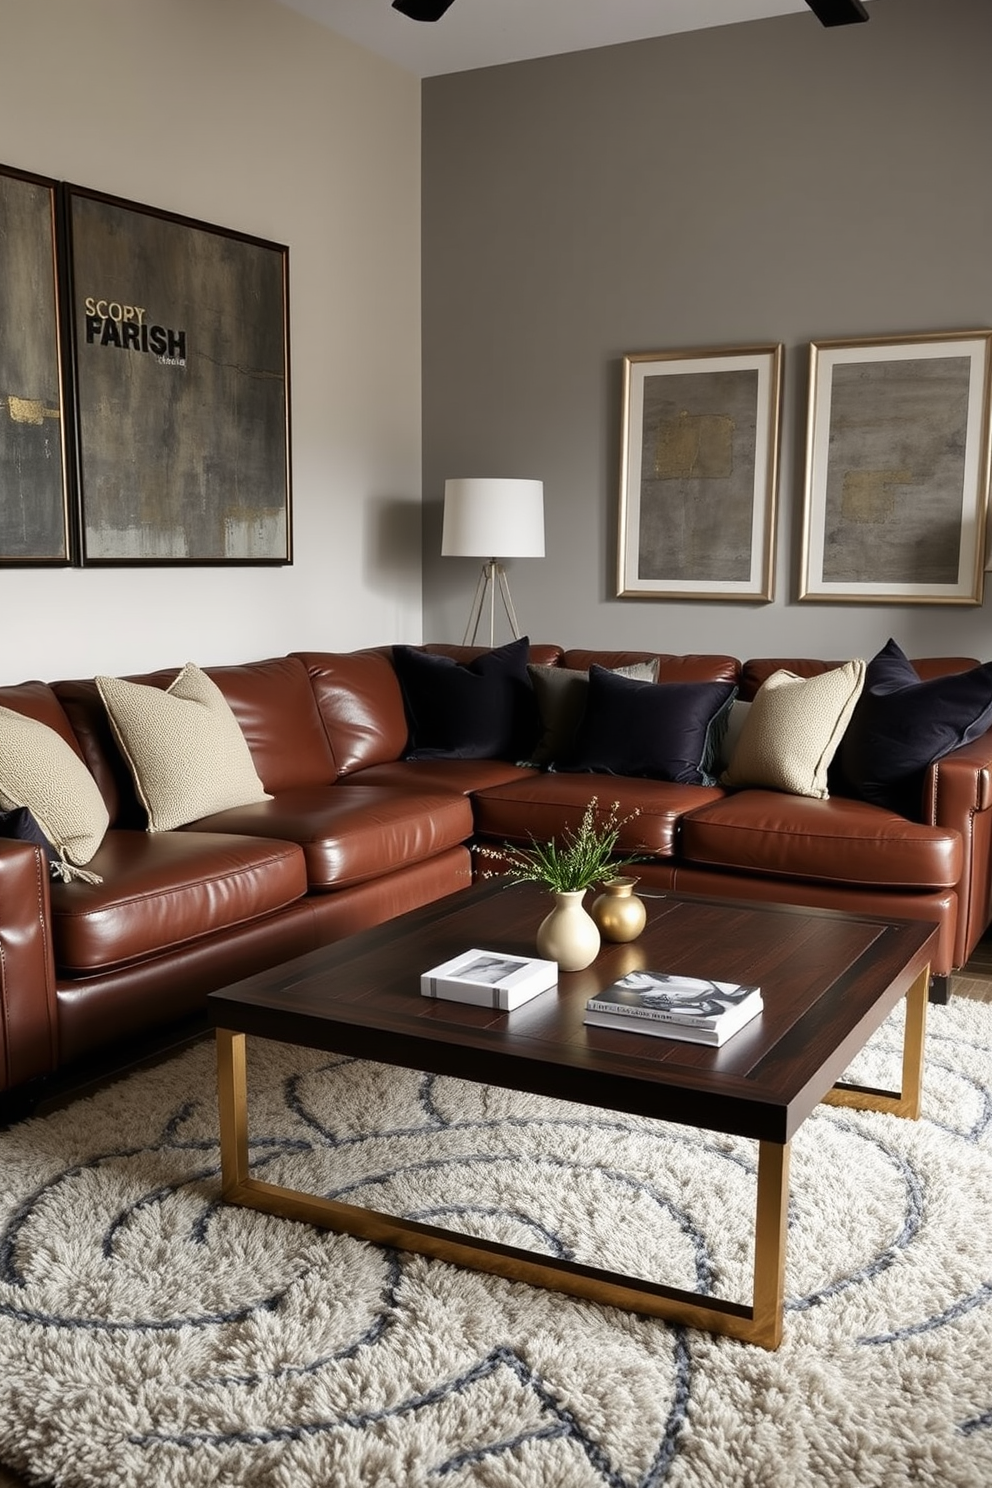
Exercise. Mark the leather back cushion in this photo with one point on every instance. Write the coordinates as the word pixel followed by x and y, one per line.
pixel 758 669
pixel 687 668
pixel 275 706
pixel 360 705
pixel 40 701
pixel 272 701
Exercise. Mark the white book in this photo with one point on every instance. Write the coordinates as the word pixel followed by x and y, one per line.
pixel 695 1001
pixel 689 1033
pixel 490 979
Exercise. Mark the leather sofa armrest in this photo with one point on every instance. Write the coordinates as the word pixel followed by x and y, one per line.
pixel 28 1009
pixel 958 793
pixel 959 784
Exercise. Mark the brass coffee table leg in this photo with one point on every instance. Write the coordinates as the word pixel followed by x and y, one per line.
pixel 761 1323
pixel 906 1101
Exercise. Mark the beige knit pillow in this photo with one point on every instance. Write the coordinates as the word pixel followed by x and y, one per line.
pixel 38 769
pixel 792 730
pixel 184 747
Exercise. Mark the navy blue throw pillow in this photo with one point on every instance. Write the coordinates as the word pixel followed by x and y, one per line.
pixel 901 724
pixel 655 729
pixel 20 825
pixel 484 709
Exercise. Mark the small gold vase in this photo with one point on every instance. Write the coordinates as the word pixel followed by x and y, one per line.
pixel 618 912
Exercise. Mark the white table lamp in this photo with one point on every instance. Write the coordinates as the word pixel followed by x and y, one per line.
pixel 492 519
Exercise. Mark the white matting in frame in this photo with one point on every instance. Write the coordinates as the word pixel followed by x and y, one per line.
pixel 897 469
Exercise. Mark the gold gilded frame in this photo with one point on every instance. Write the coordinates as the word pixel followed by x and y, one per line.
pixel 897 469
pixel 760 1323
pixel 699 474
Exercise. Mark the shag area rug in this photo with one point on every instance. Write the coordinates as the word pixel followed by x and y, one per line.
pixel 150 1335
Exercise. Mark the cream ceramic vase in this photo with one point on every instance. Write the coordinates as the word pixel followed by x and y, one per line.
pixel 568 934
pixel 617 911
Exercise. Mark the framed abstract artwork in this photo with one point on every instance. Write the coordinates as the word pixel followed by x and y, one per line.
pixel 897 469
pixel 35 527
pixel 181 387
pixel 699 474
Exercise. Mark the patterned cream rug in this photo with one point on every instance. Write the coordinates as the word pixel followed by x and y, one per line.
pixel 151 1336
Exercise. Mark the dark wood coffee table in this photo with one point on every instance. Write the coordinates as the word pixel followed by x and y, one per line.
pixel 828 981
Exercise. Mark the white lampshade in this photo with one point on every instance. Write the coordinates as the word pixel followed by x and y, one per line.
pixel 493 518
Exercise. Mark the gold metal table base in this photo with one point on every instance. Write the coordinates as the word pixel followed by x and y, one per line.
pixel 761 1323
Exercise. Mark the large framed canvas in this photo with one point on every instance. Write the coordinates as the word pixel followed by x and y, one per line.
pixel 699 473
pixel 897 469
pixel 34 484
pixel 181 371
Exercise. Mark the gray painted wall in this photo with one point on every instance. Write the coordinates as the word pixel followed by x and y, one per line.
pixel 770 181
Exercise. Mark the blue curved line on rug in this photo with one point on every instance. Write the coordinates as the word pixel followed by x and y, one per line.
pixel 490 1211
pixel 984 1122
pixel 10 1274
pixel 978 1298
pixel 912 1220
pixel 8 1243
pixel 384 1322
pixel 501 1357
pixel 705 1274
pixel 294 1102
pixel 277 1148
pixel 976 1423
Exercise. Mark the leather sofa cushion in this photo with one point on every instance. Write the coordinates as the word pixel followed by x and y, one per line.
pixel 360 705
pixel 351 833
pixel 543 806
pixel 164 890
pixel 442 775
pixel 275 706
pixel 271 700
pixel 39 701
pixel 836 840
pixel 759 668
pixel 688 668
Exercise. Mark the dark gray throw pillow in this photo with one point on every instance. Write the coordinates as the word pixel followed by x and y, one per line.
pixel 901 724
pixel 484 709
pixel 661 730
pixel 561 694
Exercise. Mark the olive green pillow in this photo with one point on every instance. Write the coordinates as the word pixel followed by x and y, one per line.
pixel 184 747
pixel 39 770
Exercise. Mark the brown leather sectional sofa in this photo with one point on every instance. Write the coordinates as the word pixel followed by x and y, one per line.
pixel 354 834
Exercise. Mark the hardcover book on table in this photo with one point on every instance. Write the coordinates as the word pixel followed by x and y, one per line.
pixel 694 1009
pixel 665 998
pixel 490 979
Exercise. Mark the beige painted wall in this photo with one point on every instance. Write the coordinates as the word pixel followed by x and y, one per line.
pixel 244 114
pixel 769 181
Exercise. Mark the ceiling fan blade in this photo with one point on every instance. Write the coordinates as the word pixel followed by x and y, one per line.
pixel 422 10
pixel 838 12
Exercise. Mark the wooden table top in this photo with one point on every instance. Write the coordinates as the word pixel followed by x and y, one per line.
pixel 827 979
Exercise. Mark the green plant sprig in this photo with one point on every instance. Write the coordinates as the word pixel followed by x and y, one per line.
pixel 583 856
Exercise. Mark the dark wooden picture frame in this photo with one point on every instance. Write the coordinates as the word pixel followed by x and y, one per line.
pixel 180 364
pixel 35 527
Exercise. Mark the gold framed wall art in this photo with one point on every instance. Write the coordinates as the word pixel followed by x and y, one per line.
pixel 699 473
pixel 897 469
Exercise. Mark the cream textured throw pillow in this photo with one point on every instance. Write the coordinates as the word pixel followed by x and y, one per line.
pixel 184 746
pixel 38 769
pixel 792 730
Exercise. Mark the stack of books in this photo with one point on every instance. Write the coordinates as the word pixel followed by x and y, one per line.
pixel 689 1008
pixel 490 979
